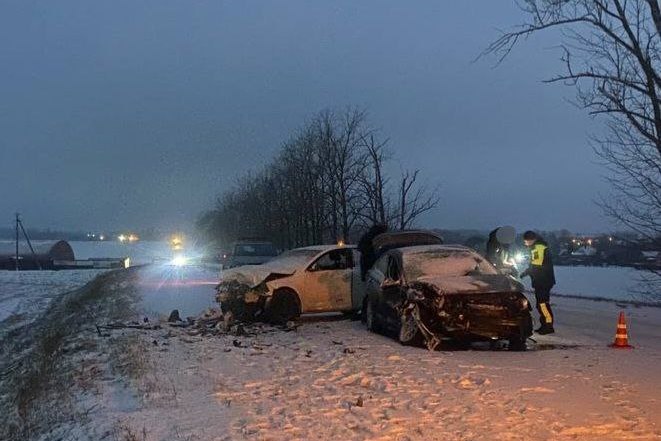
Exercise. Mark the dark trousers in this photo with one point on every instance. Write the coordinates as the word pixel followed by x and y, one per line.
pixel 542 298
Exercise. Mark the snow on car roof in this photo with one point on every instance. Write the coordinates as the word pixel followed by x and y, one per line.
pixel 321 248
pixel 429 248
pixel 443 261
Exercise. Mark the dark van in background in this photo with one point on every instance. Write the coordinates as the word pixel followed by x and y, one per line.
pixel 250 252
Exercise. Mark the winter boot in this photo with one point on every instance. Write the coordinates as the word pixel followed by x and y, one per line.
pixel 545 329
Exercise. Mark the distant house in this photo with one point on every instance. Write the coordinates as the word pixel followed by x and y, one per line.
pixel 585 251
pixel 45 253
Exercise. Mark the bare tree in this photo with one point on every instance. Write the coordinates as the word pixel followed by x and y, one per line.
pixel 611 50
pixel 374 182
pixel 343 162
pixel 412 200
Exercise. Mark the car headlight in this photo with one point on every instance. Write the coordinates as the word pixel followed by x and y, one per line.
pixel 179 261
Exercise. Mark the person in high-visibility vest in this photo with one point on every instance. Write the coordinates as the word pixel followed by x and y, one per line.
pixel 543 278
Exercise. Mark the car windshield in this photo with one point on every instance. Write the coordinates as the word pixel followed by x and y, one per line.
pixel 254 249
pixel 445 263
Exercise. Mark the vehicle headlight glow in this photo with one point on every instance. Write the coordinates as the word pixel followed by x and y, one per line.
pixel 519 257
pixel 180 261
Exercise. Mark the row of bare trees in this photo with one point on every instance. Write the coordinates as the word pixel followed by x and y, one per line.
pixel 328 183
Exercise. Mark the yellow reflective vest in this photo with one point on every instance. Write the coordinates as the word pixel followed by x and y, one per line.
pixel 541 266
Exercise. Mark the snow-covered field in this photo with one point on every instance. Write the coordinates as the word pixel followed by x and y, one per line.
pixel 24 295
pixel 619 283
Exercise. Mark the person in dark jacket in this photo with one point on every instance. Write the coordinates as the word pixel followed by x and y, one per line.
pixel 543 278
pixel 366 248
pixel 498 246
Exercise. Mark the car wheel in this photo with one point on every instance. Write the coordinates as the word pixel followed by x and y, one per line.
pixel 517 344
pixel 284 307
pixel 370 317
pixel 351 315
pixel 409 332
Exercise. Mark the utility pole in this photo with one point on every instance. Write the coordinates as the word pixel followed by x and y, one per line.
pixel 19 224
pixel 16 255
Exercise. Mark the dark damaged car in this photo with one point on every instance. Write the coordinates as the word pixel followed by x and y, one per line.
pixel 441 292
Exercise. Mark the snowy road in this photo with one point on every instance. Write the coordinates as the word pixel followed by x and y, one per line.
pixel 189 289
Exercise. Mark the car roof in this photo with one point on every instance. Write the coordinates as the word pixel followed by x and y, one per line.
pixel 321 248
pixel 428 248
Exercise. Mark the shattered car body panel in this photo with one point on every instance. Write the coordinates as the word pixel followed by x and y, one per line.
pixel 322 277
pixel 447 292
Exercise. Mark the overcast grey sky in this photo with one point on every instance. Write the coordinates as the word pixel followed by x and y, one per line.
pixel 123 114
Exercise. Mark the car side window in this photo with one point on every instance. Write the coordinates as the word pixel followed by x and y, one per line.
pixel 334 260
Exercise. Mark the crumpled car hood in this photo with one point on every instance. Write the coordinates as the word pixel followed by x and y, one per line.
pixel 254 275
pixel 474 284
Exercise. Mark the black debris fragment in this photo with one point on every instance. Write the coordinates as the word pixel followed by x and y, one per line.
pixel 174 316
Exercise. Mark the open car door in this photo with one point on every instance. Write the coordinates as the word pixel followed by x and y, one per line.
pixel 328 282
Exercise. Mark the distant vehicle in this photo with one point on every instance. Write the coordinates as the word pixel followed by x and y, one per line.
pixel 250 253
pixel 176 242
pixel 436 292
pixel 320 278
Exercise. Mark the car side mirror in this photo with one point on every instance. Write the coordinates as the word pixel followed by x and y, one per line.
pixel 389 283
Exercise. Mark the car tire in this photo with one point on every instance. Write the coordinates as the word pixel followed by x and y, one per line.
pixel 284 307
pixel 517 344
pixel 409 332
pixel 351 315
pixel 371 320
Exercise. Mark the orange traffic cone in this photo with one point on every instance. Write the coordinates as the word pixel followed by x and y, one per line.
pixel 621 336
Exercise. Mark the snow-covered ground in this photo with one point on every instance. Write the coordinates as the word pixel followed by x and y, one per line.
pixel 332 380
pixel 24 295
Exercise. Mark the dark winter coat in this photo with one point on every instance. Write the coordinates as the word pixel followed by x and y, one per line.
pixel 366 248
pixel 497 253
